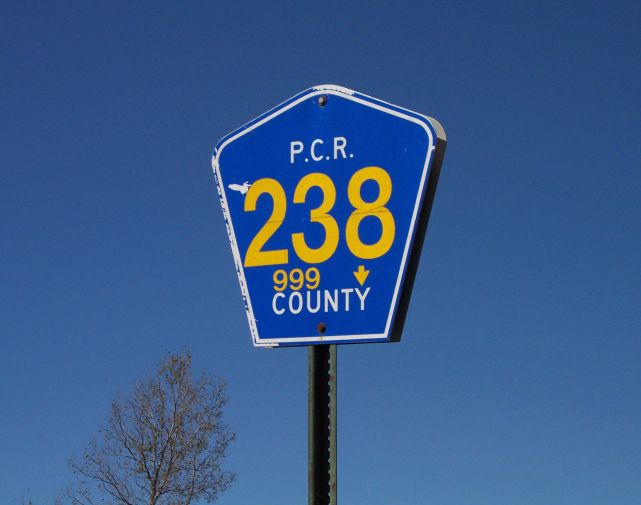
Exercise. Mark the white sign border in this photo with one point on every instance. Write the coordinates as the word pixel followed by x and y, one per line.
pixel 329 89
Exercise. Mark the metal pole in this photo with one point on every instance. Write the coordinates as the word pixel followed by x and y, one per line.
pixel 333 426
pixel 321 438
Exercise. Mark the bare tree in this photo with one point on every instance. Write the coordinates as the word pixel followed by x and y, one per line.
pixel 163 444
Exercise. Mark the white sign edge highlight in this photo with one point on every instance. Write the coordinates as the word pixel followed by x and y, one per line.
pixel 328 89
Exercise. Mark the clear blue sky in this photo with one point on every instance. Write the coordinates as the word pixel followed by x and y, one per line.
pixel 518 378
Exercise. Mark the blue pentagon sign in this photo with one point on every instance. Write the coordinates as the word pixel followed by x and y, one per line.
pixel 326 199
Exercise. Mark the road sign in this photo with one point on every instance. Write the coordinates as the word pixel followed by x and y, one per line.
pixel 326 200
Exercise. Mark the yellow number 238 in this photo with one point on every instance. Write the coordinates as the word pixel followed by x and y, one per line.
pixel 256 254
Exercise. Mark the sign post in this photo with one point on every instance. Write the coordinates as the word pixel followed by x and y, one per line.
pixel 322 430
pixel 326 200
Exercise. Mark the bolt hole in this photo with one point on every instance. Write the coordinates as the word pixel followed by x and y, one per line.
pixel 322 328
pixel 322 100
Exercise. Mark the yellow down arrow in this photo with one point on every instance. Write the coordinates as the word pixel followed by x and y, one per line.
pixel 361 274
